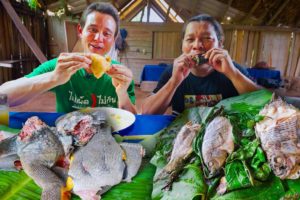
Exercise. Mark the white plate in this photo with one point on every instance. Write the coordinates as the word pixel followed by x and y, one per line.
pixel 117 118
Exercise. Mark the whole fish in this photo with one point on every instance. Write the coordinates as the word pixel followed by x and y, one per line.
pixel 217 144
pixel 103 163
pixel 279 133
pixel 39 148
pixel 182 149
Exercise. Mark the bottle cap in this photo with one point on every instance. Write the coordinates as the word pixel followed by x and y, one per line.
pixel 3 99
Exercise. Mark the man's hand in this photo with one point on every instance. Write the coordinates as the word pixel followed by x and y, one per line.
pixel 68 64
pixel 121 77
pixel 182 67
pixel 220 60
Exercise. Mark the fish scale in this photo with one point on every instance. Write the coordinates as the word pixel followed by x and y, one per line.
pixel 99 165
pixel 38 153
pixel 217 143
pixel 279 136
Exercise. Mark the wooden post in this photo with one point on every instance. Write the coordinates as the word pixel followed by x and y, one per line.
pixel 23 31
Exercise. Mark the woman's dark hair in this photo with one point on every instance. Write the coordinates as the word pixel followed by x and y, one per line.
pixel 104 8
pixel 206 18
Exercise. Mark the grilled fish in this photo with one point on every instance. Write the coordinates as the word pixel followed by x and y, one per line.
pixel 181 152
pixel 217 144
pixel 279 133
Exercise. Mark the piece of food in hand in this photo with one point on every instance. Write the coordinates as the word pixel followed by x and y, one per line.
pixel 100 65
pixel 200 59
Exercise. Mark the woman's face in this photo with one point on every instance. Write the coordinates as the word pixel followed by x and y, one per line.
pixel 97 36
pixel 199 37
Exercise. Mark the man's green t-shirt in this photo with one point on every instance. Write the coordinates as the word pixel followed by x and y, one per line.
pixel 83 90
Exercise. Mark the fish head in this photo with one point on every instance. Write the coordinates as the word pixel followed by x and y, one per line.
pixel 281 165
pixel 213 166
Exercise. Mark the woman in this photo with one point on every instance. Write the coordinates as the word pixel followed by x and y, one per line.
pixel 189 84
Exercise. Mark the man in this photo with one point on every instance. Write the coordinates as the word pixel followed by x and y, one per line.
pixel 189 83
pixel 69 75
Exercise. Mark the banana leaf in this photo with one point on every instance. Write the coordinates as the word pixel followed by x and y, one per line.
pixel 243 113
pixel 270 190
pixel 18 186
pixel 190 185
pixel 250 102
pixel 237 176
pixel 293 191
pixel 12 130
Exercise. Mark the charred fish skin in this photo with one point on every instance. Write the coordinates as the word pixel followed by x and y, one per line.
pixel 39 149
pixel 279 136
pixel 217 144
pixel 182 150
pixel 98 165
pixel 133 159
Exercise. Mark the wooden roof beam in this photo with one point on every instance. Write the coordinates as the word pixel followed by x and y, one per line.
pixel 136 4
pixel 143 12
pixel 168 11
pixel 278 11
pixel 159 11
pixel 261 20
pixel 148 10
pixel 23 31
pixel 258 2
pixel 226 9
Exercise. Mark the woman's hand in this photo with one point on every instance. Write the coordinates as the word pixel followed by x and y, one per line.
pixel 121 77
pixel 68 64
pixel 220 60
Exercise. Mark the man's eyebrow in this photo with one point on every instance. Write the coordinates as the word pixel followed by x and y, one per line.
pixel 107 29
pixel 92 25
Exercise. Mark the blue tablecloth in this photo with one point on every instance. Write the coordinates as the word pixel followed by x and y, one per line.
pixel 144 124
pixel 152 72
pixel 264 73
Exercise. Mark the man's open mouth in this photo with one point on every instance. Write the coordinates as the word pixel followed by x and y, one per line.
pixel 99 47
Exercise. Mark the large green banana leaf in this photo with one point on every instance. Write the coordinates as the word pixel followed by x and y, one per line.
pixel 18 186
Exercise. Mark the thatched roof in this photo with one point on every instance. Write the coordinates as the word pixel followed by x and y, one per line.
pixel 251 12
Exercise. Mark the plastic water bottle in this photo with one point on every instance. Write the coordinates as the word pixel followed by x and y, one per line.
pixel 4 111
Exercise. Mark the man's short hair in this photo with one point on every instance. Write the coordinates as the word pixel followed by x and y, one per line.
pixel 105 8
pixel 206 18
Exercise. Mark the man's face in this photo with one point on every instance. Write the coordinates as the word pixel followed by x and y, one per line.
pixel 199 37
pixel 97 36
